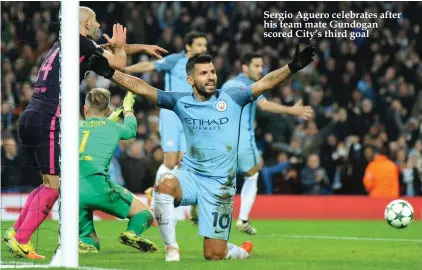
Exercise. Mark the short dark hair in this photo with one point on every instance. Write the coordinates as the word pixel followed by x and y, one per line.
pixel 247 58
pixel 197 59
pixel 191 36
pixel 381 150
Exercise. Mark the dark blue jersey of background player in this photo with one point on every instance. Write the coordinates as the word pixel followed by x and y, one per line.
pixel 87 47
pixel 46 95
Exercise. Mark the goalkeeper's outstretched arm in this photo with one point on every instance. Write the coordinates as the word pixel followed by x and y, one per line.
pixel 127 130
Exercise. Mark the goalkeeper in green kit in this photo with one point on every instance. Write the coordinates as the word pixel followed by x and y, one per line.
pixel 99 137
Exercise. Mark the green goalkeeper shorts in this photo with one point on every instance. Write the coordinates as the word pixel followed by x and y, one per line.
pixel 97 192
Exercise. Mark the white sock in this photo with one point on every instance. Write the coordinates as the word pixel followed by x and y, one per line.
pixel 235 253
pixel 247 195
pixel 161 170
pixel 163 210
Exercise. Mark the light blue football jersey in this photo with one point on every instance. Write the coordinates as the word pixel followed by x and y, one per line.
pixel 247 130
pixel 211 128
pixel 174 66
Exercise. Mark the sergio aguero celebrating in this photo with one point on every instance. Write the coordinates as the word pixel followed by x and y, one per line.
pixel 211 120
pixel 174 65
pixel 248 158
pixel 172 135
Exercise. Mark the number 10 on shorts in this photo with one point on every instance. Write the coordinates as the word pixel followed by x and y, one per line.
pixel 222 220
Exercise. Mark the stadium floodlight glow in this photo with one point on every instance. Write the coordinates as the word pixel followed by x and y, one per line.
pixel 67 253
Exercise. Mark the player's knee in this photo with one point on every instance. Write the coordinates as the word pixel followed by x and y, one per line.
pixel 167 184
pixel 214 255
pixel 51 181
pixel 137 207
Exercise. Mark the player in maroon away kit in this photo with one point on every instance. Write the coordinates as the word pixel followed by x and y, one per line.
pixel 39 125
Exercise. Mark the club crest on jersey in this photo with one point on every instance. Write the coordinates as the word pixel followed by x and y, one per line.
pixel 221 106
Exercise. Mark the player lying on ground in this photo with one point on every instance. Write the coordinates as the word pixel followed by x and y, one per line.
pixel 211 120
pixel 248 158
pixel 115 50
pixel 99 138
pixel 173 140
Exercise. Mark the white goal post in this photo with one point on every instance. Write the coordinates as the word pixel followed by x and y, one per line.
pixel 67 254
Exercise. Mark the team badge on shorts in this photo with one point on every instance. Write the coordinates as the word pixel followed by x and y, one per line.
pixel 221 106
pixel 170 143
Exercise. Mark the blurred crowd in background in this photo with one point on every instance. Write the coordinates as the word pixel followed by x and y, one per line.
pixel 28 29
pixel 365 93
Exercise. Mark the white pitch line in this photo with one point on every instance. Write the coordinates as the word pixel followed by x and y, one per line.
pixel 354 238
pixel 13 265
pixel 277 236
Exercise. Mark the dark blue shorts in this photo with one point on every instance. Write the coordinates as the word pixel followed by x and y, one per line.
pixel 39 133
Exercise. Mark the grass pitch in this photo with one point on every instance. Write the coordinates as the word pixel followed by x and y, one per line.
pixel 278 245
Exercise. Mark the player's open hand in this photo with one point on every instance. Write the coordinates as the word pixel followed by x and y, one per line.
pixel 128 102
pixel 153 50
pixel 304 112
pixel 302 58
pixel 99 64
pixel 119 36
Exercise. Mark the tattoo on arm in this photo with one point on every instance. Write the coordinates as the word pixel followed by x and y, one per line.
pixel 119 78
pixel 276 76
pixel 123 80
pixel 270 81
pixel 136 86
pixel 132 82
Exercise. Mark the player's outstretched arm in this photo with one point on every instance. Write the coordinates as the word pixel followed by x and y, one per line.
pixel 304 112
pixel 116 58
pixel 139 67
pixel 100 65
pixel 165 63
pixel 130 49
pixel 300 60
pixel 135 85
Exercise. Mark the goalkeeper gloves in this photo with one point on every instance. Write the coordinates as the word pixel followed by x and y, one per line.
pixel 302 58
pixel 115 115
pixel 99 64
pixel 126 106
pixel 128 102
